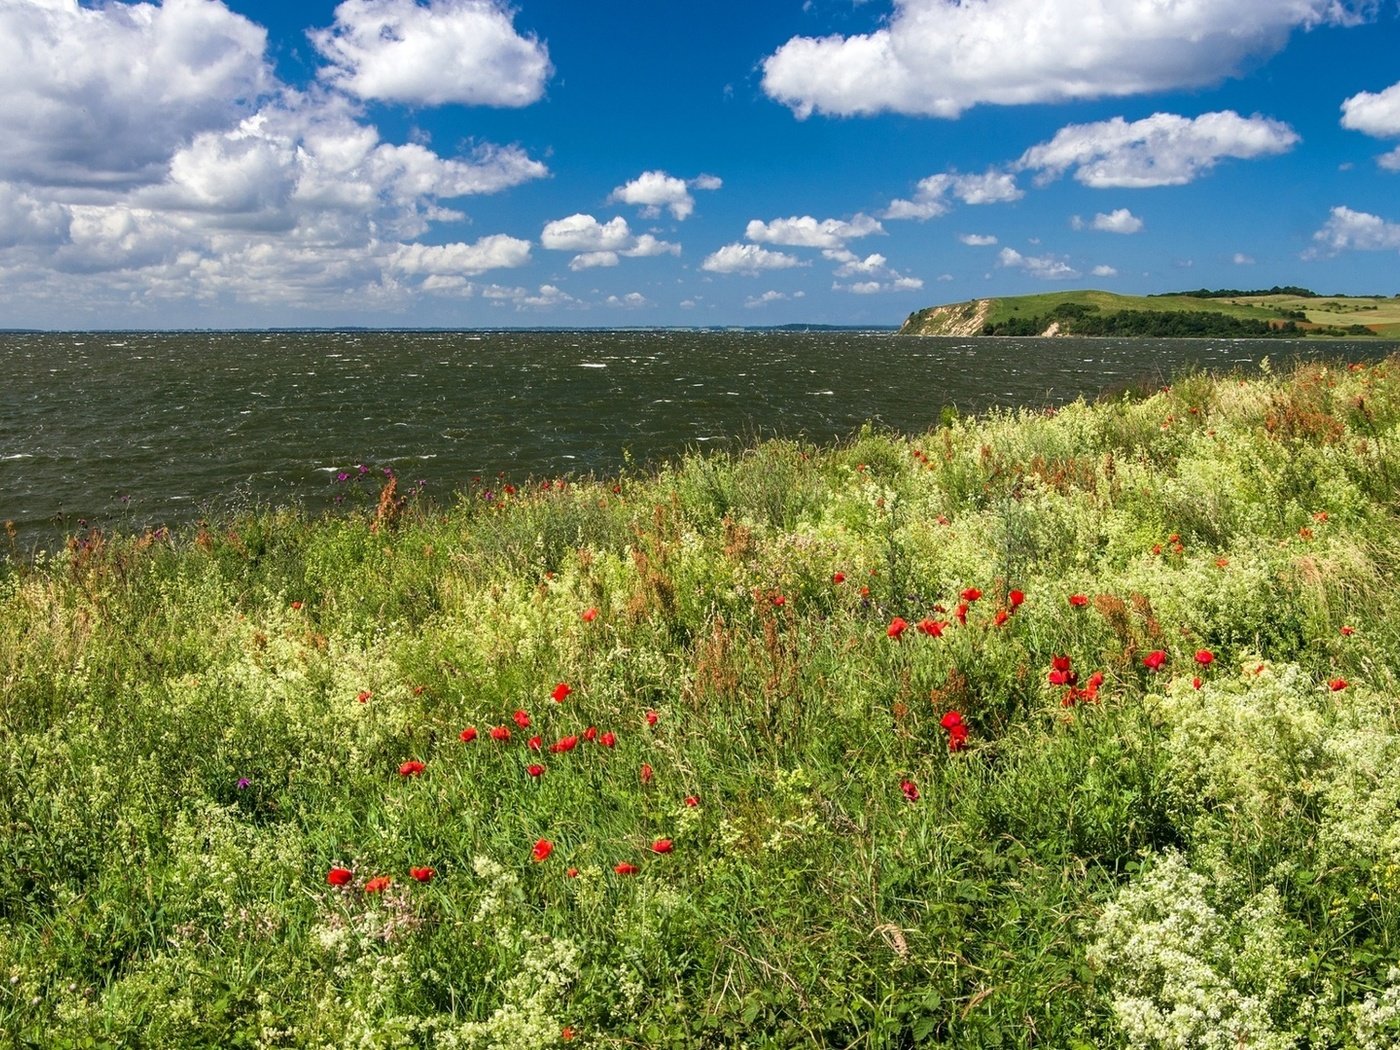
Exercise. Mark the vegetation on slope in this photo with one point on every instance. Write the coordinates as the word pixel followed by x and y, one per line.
pixel 1073 729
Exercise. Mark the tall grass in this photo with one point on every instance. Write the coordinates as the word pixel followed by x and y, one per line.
pixel 196 729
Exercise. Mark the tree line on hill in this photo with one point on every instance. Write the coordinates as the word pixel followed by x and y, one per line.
pixel 1082 319
pixel 1235 293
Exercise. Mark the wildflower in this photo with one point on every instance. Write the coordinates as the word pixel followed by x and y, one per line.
pixel 1347 632
pixel 961 613
pixel 590 734
pixel 896 628
pixel 1205 657
pixel 378 884
pixel 568 743
pixel 626 869
pixel 646 773
pixel 535 742
pixel 779 600
pixel 1015 598
pixel 1195 683
pixel 562 690
pixel 521 719
pixel 970 595
pixel 243 782
pixel 411 768
pixel 1154 660
pixel 932 628
pixel 1001 617
pixel 692 800
pixel 543 848
pixel 662 846
pixel 572 873
pixel 468 735
pixel 296 605
pixel 910 789
pixel 339 876
pixel 500 733
pixel 652 716
pixel 957 730
pixel 566 1033
pixel 589 615
pixel 608 739
pixel 535 770
pixel 364 696
pixel 1337 684
pixel 1060 673
pixel 1079 600
pixel 838 577
pixel 422 874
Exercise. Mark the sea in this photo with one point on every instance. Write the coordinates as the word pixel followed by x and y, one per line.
pixel 129 431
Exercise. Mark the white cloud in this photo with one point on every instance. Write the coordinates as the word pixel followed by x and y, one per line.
pixel 807 232
pixel 462 51
pixel 930 197
pixel 497 252
pixel 940 57
pixel 747 259
pixel 880 277
pixel 1390 161
pixel 1104 271
pixel 1118 221
pixel 1045 267
pixel 977 240
pixel 1375 114
pixel 654 190
pixel 1356 231
pixel 1161 150
pixel 630 301
pixel 600 244
pixel 102 96
pixel 771 296
pixel 1241 259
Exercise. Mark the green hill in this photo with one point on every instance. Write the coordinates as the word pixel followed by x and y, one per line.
pixel 1286 313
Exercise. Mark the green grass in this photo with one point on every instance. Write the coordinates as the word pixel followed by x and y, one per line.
pixel 195 730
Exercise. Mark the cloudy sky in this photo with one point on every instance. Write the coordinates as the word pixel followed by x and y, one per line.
pixel 236 163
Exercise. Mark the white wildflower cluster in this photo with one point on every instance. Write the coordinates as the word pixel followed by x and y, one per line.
pixel 501 889
pixel 1185 976
pixel 530 1016
pixel 1375 1021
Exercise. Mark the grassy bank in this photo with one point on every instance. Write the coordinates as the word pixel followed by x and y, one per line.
pixel 240 805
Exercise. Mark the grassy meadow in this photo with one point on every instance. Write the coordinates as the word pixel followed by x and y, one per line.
pixel 1073 729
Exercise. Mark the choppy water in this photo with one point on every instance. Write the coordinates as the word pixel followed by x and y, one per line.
pixel 138 429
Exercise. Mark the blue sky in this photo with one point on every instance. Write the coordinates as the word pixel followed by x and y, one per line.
pixel 236 163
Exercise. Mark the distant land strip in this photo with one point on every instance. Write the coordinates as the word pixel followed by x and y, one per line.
pixel 1280 313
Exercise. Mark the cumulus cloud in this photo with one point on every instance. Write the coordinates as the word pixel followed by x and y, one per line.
pixel 931 195
pixel 876 271
pixel 599 243
pixel 497 252
pixel 771 296
pixel 447 51
pixel 1346 229
pixel 807 232
pixel 1119 221
pixel 747 259
pixel 654 190
pixel 1045 267
pixel 977 240
pixel 1390 161
pixel 1104 271
pixel 1375 114
pixel 940 57
pixel 630 301
pixel 1241 259
pixel 1161 150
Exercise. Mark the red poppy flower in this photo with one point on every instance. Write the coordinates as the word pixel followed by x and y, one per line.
pixel 662 846
pixel 566 1033
pixel 468 735
pixel 961 613
pixel 535 742
pixel 339 876
pixel 500 733
pixel 646 773
pixel 951 719
pixel 378 884
pixel 608 739
pixel 567 744
pixel 1337 684
pixel 296 605
pixel 1195 683
pixel 957 737
pixel 589 615
pixel 897 627
pixel 652 716
pixel 535 770
pixel 562 690
pixel 692 800
pixel 778 599
pixel 364 696
pixel 411 768
pixel 838 577
pixel 1015 598
pixel 1000 618
pixel 1079 600
pixel 626 869
pixel 543 848
pixel 970 595
pixel 572 873
pixel 1154 660
pixel 911 791
pixel 1091 687
pixel 590 734
pixel 521 719
pixel 1347 632
pixel 422 874
pixel 1205 657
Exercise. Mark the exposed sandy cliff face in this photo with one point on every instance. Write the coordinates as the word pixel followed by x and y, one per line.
pixel 957 319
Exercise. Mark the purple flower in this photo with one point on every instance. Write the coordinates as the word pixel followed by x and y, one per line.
pixel 243 782
pixel 363 469
pixel 342 476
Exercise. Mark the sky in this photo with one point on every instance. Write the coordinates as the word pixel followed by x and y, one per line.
pixel 468 163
